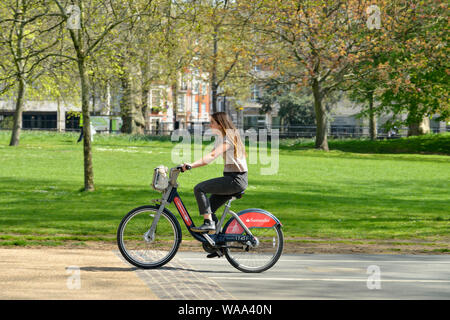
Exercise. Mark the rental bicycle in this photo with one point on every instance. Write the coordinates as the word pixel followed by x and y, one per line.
pixel 149 236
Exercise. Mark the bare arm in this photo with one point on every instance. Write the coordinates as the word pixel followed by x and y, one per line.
pixel 206 159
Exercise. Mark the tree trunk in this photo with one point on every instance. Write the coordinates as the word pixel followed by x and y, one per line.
pixel 15 137
pixel 145 90
pixel 418 124
pixel 372 119
pixel 59 122
pixel 107 109
pixel 321 118
pixel 145 108
pixel 87 146
pixel 125 105
pixel 175 104
pixel 131 104
pixel 20 63
pixel 214 98
pixel 419 128
pixel 214 85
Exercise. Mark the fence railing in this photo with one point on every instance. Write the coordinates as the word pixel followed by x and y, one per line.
pixel 165 129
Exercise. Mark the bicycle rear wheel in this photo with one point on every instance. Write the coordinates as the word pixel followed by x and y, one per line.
pixel 261 257
pixel 140 251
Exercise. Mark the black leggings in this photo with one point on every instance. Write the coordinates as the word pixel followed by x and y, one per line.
pixel 220 189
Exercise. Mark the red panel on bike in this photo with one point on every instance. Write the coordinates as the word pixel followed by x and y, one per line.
pixel 251 219
pixel 183 211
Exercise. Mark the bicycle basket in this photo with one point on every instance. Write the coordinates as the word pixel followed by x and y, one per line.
pixel 160 180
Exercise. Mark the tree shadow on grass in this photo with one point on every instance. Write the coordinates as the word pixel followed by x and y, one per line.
pixel 388 189
pixel 346 154
pixel 63 210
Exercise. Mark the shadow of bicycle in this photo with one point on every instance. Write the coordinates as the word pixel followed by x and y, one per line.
pixel 169 268
pixel 109 269
pixel 129 269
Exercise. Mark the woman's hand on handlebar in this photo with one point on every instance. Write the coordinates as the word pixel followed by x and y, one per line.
pixel 186 166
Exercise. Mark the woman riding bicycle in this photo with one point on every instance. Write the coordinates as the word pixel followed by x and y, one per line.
pixel 251 240
pixel 229 144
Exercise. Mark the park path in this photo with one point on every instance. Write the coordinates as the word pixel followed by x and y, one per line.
pixel 79 274
pixel 72 274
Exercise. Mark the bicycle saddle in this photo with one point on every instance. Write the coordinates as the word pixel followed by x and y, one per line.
pixel 238 195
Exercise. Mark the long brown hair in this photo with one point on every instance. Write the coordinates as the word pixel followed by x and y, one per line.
pixel 228 129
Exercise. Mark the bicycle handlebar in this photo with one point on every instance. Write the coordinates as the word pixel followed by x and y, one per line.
pixel 180 167
pixel 174 172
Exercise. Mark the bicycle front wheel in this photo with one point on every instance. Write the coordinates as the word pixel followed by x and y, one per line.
pixel 141 251
pixel 261 257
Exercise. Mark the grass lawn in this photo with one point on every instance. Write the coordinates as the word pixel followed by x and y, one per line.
pixel 356 191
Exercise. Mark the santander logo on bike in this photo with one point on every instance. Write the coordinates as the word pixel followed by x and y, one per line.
pixel 257 219
pixel 265 220
pixel 251 219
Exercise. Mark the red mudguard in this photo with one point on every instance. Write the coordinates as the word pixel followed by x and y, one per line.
pixel 252 218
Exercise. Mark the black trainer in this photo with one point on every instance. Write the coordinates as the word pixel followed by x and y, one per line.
pixel 207 226
pixel 213 255
pixel 215 219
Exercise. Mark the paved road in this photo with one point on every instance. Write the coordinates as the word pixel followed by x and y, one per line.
pixel 332 277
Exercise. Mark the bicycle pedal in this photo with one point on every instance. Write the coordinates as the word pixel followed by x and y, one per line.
pixel 205 232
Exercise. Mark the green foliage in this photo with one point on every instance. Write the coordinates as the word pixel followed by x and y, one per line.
pixel 410 70
pixel 295 107
pixel 297 110
pixel 425 144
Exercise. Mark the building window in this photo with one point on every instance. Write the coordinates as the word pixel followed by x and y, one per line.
pixel 154 68
pixel 204 89
pixel 255 65
pixel 254 122
pixel 222 105
pixel 39 121
pixel 155 98
pixel 256 92
pixel 203 108
pixel 183 83
pixel 196 87
pixel 180 104
pixel 196 106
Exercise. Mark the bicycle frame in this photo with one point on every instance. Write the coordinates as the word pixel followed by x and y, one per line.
pixel 171 195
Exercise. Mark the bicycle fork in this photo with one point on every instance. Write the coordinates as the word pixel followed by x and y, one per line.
pixel 149 236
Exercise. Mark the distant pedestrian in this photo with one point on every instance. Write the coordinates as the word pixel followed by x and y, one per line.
pixel 395 131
